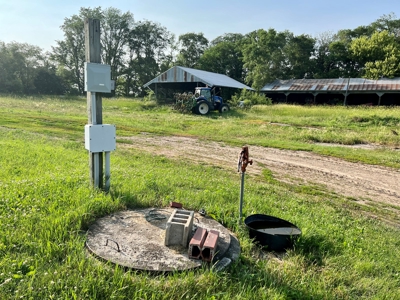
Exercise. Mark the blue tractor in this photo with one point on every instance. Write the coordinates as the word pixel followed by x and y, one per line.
pixel 206 100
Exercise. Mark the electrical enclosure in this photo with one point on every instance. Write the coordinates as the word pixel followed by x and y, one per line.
pixel 97 78
pixel 100 138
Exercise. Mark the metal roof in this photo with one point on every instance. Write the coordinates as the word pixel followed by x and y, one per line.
pixel 181 74
pixel 337 85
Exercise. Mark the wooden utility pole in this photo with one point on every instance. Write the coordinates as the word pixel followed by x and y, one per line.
pixel 92 54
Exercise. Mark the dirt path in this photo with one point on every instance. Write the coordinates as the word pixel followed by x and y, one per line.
pixel 363 182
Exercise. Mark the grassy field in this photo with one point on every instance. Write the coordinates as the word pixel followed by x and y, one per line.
pixel 47 204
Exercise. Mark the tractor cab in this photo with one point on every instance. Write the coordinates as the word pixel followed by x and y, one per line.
pixel 206 100
pixel 203 92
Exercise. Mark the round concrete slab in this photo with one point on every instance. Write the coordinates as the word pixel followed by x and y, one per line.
pixel 135 239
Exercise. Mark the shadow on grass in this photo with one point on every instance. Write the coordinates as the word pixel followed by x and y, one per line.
pixel 129 200
pixel 315 249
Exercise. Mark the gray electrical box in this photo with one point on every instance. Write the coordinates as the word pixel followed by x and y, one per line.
pixel 97 78
pixel 100 138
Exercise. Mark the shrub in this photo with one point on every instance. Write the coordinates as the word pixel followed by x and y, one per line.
pixel 246 99
pixel 150 96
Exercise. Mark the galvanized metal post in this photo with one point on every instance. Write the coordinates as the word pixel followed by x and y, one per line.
pixel 241 197
pixel 107 171
pixel 243 161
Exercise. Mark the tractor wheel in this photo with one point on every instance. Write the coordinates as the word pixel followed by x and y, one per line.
pixel 224 108
pixel 202 108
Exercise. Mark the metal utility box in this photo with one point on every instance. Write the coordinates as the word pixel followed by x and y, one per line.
pixel 100 138
pixel 97 78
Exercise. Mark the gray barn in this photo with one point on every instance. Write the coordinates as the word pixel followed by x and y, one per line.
pixel 348 91
pixel 182 79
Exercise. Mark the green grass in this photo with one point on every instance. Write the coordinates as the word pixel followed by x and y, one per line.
pixel 46 204
pixel 260 125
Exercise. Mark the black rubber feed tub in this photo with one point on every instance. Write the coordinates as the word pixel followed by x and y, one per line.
pixel 272 233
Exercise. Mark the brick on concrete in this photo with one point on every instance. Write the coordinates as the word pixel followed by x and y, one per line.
pixel 175 204
pixel 210 246
pixel 197 242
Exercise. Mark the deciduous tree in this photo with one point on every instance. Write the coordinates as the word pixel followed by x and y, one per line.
pixel 191 48
pixel 115 35
pixel 70 52
pixel 224 56
pixel 18 66
pixel 297 53
pixel 149 43
pixel 263 56
pixel 380 54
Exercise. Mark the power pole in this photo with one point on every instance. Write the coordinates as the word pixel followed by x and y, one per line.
pixel 94 101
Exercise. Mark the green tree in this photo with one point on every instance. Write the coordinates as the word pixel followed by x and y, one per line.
pixel 379 54
pixel 70 52
pixel 149 43
pixel 115 35
pixel 297 53
pixel 332 57
pixel 224 56
pixel 9 81
pixel 191 48
pixel 389 22
pixel 263 56
pixel 18 67
pixel 48 83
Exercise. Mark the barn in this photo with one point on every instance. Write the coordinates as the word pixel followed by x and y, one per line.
pixel 347 91
pixel 181 79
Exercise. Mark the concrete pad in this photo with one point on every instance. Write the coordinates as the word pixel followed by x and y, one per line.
pixel 135 239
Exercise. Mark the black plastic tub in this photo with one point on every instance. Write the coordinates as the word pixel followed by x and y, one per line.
pixel 272 233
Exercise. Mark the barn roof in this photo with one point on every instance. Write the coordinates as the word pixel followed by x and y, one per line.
pixel 334 85
pixel 181 75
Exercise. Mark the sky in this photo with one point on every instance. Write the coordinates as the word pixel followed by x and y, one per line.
pixel 37 22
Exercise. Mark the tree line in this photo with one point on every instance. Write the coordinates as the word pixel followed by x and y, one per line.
pixel 138 51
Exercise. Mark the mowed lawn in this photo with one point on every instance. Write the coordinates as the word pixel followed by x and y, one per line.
pixel 47 203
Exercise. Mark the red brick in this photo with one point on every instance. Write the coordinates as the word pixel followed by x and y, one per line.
pixel 197 242
pixel 175 204
pixel 210 245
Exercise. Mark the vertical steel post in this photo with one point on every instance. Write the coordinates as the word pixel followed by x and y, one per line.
pixel 242 165
pixel 96 166
pixel 96 177
pixel 241 197
pixel 107 171
pixel 93 107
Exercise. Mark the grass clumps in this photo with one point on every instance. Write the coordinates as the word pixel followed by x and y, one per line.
pixel 47 204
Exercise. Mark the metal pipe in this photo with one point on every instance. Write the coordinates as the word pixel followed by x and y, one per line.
pixel 241 197
pixel 107 171
pixel 96 163
pixel 242 165
pixel 96 178
pixel 93 99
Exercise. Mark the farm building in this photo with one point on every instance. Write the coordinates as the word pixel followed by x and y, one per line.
pixel 182 79
pixel 348 91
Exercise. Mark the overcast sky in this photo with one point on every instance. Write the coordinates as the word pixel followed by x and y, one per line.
pixel 38 22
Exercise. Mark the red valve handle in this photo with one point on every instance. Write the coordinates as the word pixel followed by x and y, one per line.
pixel 244 159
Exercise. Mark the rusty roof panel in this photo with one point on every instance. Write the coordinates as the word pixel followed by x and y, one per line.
pixel 337 87
pixel 340 85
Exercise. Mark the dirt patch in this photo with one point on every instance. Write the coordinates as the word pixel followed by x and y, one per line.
pixel 365 183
